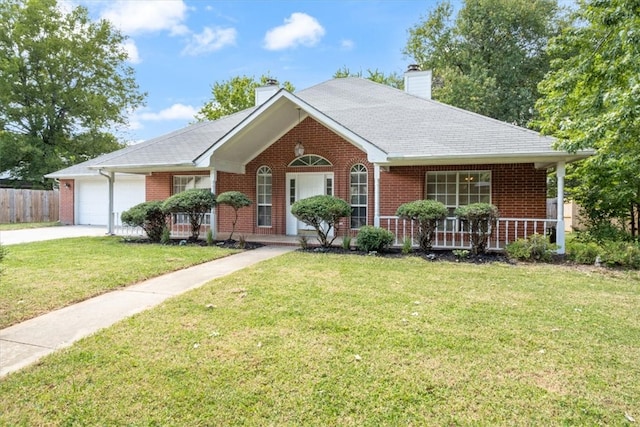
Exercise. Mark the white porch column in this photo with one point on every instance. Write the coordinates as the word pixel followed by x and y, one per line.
pixel 560 238
pixel 213 174
pixel 376 195
pixel 111 178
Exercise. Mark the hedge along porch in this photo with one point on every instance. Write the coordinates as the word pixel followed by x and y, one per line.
pixel 372 145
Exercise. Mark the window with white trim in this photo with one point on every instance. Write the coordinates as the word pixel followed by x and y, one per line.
pixel 358 180
pixel 455 189
pixel 310 160
pixel 263 196
pixel 188 182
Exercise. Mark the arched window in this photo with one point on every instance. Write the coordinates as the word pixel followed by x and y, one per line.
pixel 358 195
pixel 263 190
pixel 310 160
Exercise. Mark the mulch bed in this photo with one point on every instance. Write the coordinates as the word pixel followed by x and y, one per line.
pixel 229 244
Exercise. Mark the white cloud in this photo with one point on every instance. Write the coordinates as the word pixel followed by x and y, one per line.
pixel 175 112
pixel 134 17
pixel 130 47
pixel 299 29
pixel 347 44
pixel 210 40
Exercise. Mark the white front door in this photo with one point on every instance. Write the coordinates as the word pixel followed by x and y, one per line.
pixel 300 186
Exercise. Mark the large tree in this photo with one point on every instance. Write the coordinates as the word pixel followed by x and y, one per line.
pixel 235 94
pixel 490 57
pixel 591 100
pixel 64 83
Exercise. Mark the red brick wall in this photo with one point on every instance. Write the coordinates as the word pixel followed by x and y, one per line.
pixel 67 201
pixel 518 190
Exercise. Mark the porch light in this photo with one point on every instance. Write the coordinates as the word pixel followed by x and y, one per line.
pixel 298 149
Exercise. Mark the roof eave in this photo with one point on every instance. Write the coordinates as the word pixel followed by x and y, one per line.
pixel 540 159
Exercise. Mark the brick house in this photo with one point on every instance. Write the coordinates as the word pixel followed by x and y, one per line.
pixel 369 144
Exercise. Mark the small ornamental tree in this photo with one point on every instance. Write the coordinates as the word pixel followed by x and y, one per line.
pixel 322 213
pixel 236 200
pixel 194 203
pixel 427 213
pixel 149 216
pixel 480 219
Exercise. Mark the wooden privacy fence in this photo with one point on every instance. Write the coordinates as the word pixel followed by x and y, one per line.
pixel 28 205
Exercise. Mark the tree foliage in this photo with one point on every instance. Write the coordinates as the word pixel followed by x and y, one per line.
pixel 427 213
pixel 150 216
pixel 194 203
pixel 235 94
pixel 63 83
pixel 237 201
pixel 393 79
pixel 591 101
pixel 490 57
pixel 323 213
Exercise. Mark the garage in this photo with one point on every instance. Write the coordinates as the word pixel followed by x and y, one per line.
pixel 92 197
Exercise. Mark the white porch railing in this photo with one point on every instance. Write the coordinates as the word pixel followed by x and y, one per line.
pixel 451 234
pixel 179 226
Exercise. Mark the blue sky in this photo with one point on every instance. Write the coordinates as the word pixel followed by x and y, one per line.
pixel 179 48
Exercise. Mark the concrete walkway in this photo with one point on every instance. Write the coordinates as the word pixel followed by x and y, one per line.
pixel 25 343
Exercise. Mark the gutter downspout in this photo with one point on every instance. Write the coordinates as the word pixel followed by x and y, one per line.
pixel 110 177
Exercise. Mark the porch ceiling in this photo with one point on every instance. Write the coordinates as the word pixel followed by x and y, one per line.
pixel 253 136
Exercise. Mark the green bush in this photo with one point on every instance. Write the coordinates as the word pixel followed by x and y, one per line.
pixel 535 248
pixel 322 213
pixel 236 200
pixel 583 252
pixel 427 213
pixel 195 203
pixel 150 216
pixel 374 239
pixel 480 219
pixel 621 254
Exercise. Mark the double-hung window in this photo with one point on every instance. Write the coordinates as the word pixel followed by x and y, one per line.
pixel 455 189
pixel 188 182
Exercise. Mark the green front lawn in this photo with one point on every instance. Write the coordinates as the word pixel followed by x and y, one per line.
pixel 312 339
pixel 43 276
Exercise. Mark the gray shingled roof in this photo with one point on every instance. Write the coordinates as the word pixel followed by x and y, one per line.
pixel 401 125
pixel 405 125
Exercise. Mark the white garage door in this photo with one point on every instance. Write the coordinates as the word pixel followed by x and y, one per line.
pixel 92 197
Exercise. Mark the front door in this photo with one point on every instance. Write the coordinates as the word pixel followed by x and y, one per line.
pixel 300 186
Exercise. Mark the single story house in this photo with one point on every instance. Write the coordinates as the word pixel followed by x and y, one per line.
pixel 372 145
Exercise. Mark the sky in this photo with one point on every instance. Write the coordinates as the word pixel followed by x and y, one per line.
pixel 179 48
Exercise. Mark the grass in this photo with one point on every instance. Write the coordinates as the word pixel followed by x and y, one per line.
pixel 23 225
pixel 311 339
pixel 42 276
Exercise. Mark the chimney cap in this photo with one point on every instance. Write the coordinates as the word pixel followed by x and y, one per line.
pixel 272 82
pixel 413 67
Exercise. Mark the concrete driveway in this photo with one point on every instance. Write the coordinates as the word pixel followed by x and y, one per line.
pixel 13 237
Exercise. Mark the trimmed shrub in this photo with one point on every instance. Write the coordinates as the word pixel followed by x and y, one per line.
pixel 535 248
pixel 480 218
pixel 427 213
pixel 236 200
pixel 323 213
pixel 195 203
pixel 149 216
pixel 374 239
